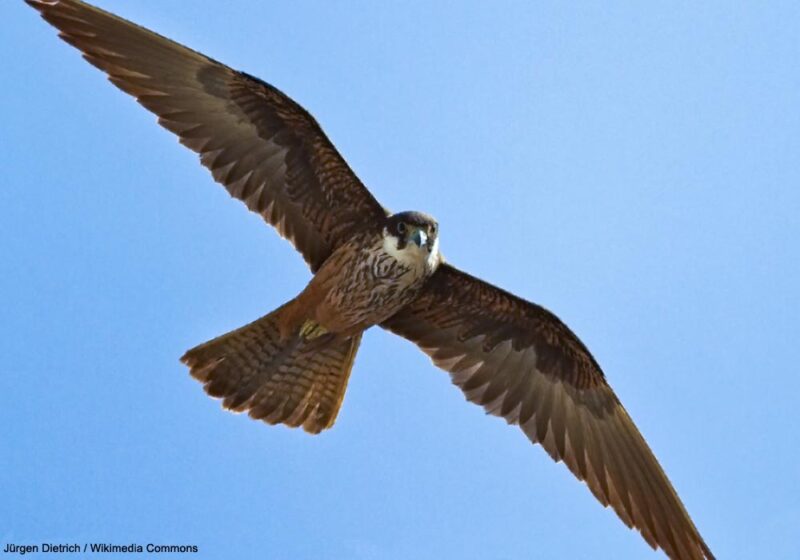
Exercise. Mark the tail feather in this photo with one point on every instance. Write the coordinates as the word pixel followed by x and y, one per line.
pixel 290 381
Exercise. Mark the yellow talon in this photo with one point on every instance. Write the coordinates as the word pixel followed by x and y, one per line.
pixel 311 330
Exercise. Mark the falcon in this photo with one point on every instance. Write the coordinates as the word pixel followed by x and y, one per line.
pixel 371 267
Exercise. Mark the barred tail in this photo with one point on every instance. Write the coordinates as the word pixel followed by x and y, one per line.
pixel 290 381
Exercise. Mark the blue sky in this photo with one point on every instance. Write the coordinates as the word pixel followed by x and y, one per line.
pixel 634 168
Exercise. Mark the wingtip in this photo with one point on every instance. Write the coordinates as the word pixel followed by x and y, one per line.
pixel 189 358
pixel 44 6
pixel 707 550
pixel 40 4
pixel 185 359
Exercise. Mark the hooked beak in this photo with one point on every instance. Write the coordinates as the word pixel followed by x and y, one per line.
pixel 419 237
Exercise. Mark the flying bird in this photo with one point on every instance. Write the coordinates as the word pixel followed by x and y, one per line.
pixel 371 267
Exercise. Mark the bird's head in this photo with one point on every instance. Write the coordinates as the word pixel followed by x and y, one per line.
pixel 412 235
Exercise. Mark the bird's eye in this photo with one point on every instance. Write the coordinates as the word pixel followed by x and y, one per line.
pixel 401 227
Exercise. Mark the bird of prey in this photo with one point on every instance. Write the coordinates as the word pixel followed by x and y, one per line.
pixel 371 267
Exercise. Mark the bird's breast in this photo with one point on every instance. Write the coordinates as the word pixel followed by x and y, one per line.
pixel 374 282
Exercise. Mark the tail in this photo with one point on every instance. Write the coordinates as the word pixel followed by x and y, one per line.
pixel 292 381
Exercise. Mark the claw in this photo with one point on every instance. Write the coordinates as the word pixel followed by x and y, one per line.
pixel 311 330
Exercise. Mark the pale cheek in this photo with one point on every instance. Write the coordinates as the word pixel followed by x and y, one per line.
pixel 390 246
pixel 433 258
pixel 410 255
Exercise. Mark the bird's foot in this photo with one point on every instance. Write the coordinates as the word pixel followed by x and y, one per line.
pixel 311 330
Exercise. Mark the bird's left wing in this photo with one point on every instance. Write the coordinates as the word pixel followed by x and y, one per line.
pixel 264 148
pixel 519 361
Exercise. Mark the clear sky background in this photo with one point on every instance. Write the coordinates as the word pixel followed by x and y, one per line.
pixel 633 168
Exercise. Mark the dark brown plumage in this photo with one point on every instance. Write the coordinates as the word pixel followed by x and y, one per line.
pixel 520 362
pixel 254 371
pixel 263 147
pixel 512 357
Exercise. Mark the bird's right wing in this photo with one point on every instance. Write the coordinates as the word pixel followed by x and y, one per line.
pixel 520 362
pixel 260 145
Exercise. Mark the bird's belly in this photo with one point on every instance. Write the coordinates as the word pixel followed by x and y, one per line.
pixel 373 288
